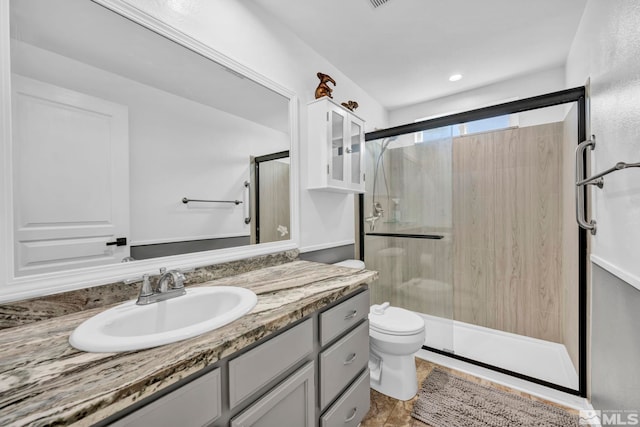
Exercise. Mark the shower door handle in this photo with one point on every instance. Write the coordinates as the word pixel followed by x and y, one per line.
pixel 581 207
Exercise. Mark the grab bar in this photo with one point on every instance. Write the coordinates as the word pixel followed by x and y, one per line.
pixel 186 200
pixel 580 208
pixel 247 217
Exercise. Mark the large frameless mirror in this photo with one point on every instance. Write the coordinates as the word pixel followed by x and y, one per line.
pixel 127 145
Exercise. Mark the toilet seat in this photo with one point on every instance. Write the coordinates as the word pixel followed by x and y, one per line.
pixel 395 321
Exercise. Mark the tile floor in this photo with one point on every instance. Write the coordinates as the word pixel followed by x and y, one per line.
pixel 388 412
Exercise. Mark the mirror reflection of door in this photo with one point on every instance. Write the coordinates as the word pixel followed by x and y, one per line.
pixel 271 198
pixel 62 221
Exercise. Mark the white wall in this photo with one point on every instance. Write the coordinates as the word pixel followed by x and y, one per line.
pixel 178 148
pixel 508 90
pixel 249 35
pixel 606 49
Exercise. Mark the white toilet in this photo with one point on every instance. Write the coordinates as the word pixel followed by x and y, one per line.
pixel 395 335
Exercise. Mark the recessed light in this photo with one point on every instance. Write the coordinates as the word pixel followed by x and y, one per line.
pixel 455 77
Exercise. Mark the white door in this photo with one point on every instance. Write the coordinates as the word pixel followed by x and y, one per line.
pixel 71 178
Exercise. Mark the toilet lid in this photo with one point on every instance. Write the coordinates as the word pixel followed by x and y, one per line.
pixel 351 263
pixel 396 321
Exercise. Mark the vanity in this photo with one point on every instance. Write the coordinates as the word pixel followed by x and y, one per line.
pixel 300 357
pixel 160 148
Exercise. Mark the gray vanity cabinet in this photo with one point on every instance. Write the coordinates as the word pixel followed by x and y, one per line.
pixel 269 361
pixel 195 404
pixel 311 374
pixel 352 406
pixel 340 363
pixel 343 359
pixel 291 403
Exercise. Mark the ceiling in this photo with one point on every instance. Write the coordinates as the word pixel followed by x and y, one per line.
pixel 73 29
pixel 404 51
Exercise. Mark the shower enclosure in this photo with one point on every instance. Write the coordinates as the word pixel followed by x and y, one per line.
pixel 470 220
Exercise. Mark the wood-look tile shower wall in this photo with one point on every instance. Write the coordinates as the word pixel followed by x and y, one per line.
pixel 507 222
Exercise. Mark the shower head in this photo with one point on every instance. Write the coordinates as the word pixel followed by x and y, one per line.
pixel 385 143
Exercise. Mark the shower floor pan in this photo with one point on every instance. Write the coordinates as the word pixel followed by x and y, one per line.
pixel 544 360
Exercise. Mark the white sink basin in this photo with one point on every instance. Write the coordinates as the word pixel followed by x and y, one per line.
pixel 134 327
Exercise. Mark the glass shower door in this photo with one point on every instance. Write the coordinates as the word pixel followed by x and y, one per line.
pixel 407 228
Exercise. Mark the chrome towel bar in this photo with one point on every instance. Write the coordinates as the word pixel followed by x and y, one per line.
pixel 186 200
pixel 596 180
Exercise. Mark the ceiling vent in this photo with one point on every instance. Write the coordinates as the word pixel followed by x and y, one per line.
pixel 377 3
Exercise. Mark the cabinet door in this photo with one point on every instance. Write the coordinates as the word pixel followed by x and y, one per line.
pixel 337 147
pixel 356 154
pixel 257 367
pixel 292 403
pixel 194 405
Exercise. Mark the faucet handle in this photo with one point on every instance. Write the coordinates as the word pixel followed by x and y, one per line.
pixel 178 280
pixel 138 278
pixel 145 289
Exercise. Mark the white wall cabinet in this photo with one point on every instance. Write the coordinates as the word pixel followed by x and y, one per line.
pixel 336 148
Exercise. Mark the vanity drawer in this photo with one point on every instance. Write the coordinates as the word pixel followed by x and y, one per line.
pixel 352 406
pixel 264 363
pixel 195 404
pixel 341 362
pixel 343 316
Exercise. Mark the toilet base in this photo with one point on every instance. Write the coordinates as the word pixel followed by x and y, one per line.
pixel 398 378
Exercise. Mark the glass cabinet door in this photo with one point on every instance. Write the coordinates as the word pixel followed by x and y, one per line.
pixel 337 146
pixel 356 151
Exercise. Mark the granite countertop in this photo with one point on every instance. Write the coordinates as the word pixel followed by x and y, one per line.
pixel 44 381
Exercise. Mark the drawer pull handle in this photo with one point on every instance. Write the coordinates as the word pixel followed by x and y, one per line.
pixel 354 411
pixel 351 359
pixel 351 315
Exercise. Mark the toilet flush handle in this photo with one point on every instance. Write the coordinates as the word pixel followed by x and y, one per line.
pixel 379 309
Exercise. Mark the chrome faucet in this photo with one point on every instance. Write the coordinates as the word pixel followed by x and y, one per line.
pixel 176 277
pixel 377 213
pixel 161 291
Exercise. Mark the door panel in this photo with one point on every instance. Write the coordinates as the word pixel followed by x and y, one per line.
pixel 59 135
pixel 274 201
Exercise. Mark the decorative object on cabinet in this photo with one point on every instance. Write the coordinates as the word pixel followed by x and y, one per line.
pixel 336 148
pixel 350 105
pixel 323 88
